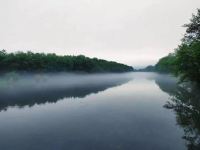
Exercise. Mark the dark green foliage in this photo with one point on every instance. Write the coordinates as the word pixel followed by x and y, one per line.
pixel 188 61
pixel 188 53
pixel 192 29
pixel 40 62
pixel 166 64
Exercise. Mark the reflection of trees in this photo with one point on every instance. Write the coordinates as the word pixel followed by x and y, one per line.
pixel 185 101
pixel 32 95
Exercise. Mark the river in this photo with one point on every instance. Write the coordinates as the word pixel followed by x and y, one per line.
pixel 140 111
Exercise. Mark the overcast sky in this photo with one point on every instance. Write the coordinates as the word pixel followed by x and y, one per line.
pixel 135 32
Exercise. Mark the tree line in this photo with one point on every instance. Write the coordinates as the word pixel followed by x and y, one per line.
pixel 185 61
pixel 40 62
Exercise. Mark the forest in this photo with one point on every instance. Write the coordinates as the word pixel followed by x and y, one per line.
pixel 40 62
pixel 185 61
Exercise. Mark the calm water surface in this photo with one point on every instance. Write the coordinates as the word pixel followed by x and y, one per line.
pixel 141 111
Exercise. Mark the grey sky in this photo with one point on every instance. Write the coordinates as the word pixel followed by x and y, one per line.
pixel 135 32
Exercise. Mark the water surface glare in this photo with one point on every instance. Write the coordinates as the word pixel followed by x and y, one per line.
pixel 90 112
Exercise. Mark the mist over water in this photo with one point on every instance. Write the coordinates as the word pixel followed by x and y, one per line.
pixel 97 111
pixel 29 89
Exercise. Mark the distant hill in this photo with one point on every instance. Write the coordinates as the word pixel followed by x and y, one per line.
pixel 149 68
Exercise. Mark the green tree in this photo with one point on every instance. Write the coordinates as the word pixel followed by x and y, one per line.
pixel 192 29
pixel 188 61
pixel 185 62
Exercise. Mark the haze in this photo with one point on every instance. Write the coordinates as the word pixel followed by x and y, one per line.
pixel 29 89
pixel 134 32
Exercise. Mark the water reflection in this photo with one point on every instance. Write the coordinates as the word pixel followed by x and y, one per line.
pixel 185 102
pixel 28 90
pixel 123 117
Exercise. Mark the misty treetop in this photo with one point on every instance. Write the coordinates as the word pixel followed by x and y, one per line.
pixel 40 62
